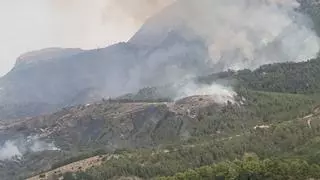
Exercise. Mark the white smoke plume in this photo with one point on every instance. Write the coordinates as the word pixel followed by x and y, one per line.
pixel 9 150
pixel 244 33
pixel 254 32
pixel 18 147
pixel 220 94
pixel 239 34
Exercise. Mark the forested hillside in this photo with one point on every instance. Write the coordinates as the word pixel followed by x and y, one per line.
pixel 268 130
pixel 279 124
pixel 291 144
pixel 275 117
pixel 301 78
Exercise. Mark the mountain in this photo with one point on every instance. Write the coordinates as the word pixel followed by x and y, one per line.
pixel 167 49
pixel 141 122
pixel 86 76
pixel 146 138
pixel 163 103
pixel 140 127
pixel 45 55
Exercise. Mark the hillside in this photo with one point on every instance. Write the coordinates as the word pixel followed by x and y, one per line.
pixel 123 124
pixel 203 90
pixel 288 142
pixel 298 78
pixel 180 48
pixel 169 134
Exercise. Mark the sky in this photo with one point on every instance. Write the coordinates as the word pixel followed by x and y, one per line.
pixel 28 25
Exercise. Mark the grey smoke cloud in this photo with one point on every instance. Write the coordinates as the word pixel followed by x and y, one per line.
pixel 245 33
pixel 221 94
pixel 9 150
pixel 18 147
pixel 238 34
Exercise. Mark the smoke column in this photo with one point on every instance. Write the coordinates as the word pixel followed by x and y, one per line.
pixel 239 34
pixel 243 33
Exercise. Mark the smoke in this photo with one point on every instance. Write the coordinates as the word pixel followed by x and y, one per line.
pixel 249 33
pixel 182 38
pixel 18 147
pixel 237 34
pixel 195 38
pixel 9 150
pixel 243 33
pixel 257 32
pixel 220 94
pixel 34 144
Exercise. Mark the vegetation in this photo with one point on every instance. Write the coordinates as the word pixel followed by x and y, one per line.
pixel 271 132
pixel 293 139
pixel 277 122
pixel 257 108
pixel 78 176
pixel 298 78
pixel 252 168
pixel 78 158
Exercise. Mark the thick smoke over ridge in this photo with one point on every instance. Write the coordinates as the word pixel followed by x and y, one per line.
pixel 239 34
pixel 255 32
pixel 244 33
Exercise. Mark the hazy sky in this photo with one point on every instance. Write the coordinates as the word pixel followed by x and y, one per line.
pixel 28 25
